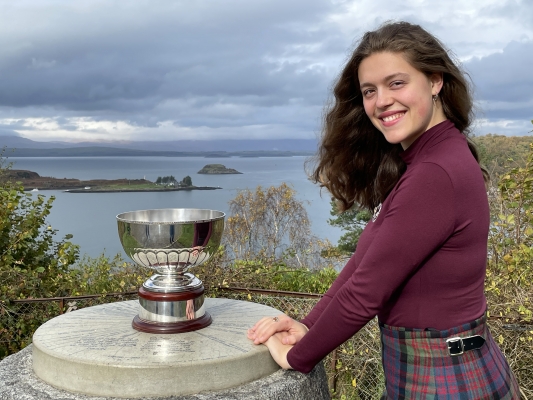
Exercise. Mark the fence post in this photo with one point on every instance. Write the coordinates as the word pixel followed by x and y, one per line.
pixel 333 368
pixel 61 306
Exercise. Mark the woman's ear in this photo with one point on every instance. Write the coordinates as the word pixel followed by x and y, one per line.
pixel 437 81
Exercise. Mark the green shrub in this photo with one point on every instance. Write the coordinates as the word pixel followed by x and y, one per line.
pixel 509 282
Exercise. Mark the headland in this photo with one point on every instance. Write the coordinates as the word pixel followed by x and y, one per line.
pixel 32 181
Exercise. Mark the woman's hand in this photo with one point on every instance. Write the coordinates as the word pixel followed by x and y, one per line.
pixel 268 326
pixel 278 350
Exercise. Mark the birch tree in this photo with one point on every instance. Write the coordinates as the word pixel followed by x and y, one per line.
pixel 268 224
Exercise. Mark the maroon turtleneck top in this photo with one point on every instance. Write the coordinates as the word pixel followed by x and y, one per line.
pixel 421 263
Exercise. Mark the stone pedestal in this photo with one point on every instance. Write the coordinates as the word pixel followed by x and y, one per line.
pixel 96 353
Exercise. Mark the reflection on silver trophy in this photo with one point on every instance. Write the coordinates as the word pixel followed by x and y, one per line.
pixel 170 241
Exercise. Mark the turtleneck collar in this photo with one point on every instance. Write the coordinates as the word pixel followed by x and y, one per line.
pixel 430 137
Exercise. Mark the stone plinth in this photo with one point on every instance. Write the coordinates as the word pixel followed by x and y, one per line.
pixel 96 353
pixel 18 382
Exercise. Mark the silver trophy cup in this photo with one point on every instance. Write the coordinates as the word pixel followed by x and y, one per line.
pixel 170 241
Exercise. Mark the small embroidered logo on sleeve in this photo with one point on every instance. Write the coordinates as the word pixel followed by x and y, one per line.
pixel 376 212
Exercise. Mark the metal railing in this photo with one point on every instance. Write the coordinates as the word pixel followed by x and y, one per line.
pixel 354 368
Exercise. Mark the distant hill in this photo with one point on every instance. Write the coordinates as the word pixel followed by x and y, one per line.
pixel 305 146
pixel 498 153
pixel 115 152
pixel 20 142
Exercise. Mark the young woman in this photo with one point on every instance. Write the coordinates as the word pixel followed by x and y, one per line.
pixel 395 142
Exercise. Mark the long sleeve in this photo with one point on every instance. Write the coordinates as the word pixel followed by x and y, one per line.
pixel 416 219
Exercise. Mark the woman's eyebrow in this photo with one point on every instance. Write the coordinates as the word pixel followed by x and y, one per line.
pixel 386 79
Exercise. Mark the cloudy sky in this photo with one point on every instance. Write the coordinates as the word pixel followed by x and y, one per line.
pixel 229 69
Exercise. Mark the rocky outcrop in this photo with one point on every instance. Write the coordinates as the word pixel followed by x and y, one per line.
pixel 217 169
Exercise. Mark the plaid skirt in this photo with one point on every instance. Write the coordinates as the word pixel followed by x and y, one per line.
pixel 418 365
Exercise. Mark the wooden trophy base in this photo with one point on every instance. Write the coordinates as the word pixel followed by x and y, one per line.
pixel 171 312
pixel 171 327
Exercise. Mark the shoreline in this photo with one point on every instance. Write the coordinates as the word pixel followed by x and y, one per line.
pixel 138 190
pixel 33 182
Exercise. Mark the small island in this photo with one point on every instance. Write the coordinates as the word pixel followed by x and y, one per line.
pixel 34 182
pixel 217 169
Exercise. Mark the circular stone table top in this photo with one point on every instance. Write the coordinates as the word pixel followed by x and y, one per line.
pixel 95 351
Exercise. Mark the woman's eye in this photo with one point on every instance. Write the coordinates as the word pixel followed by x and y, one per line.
pixel 397 83
pixel 368 92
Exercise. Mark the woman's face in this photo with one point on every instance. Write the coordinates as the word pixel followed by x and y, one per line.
pixel 398 98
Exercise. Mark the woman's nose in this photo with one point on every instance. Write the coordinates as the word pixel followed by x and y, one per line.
pixel 384 99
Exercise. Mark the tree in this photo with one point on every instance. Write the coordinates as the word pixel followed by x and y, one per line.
pixel 510 254
pixel 499 153
pixel 32 263
pixel 509 281
pixel 267 244
pixel 166 180
pixel 187 181
pixel 266 223
pixel 353 222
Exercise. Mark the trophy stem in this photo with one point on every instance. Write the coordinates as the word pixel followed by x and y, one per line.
pixel 171 312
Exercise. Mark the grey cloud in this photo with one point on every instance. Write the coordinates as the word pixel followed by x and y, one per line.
pixel 129 60
pixel 505 78
pixel 204 63
pixel 518 10
pixel 508 110
pixel 14 125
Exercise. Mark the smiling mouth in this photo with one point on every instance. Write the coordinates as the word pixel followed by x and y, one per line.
pixel 393 117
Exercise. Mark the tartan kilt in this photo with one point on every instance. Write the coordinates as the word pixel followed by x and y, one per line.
pixel 417 365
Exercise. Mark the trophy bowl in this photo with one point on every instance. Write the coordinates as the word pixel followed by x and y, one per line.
pixel 170 241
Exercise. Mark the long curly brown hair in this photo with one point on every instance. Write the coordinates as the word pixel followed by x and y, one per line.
pixel 354 161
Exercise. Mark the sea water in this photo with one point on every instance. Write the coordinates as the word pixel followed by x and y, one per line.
pixel 90 217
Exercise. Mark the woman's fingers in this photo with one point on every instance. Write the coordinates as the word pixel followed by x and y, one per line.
pixel 268 326
pixel 292 338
